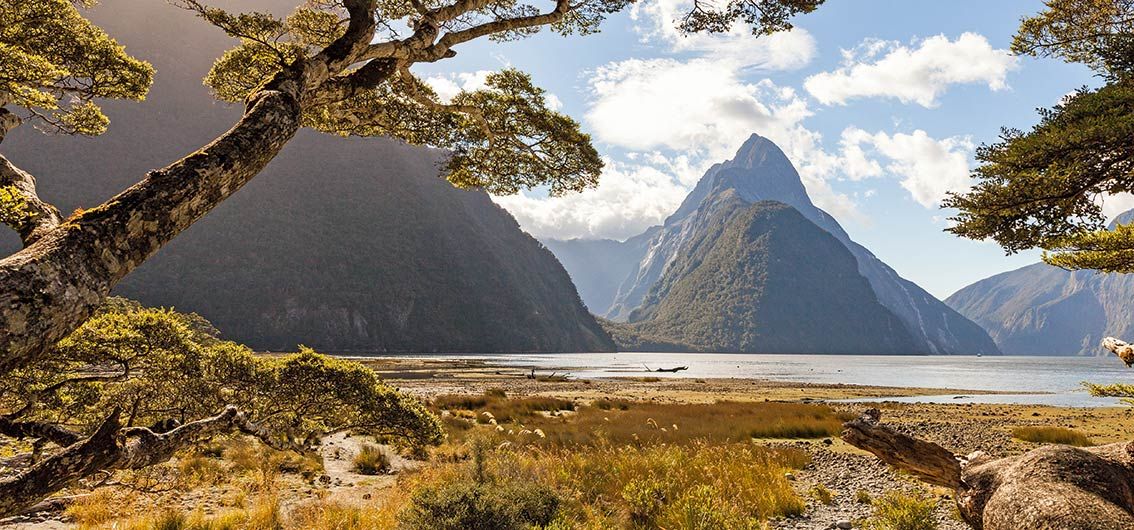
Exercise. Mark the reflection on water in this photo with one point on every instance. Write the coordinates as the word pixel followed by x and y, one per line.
pixel 1059 377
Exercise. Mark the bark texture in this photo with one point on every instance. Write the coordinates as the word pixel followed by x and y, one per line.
pixel 110 448
pixel 1054 487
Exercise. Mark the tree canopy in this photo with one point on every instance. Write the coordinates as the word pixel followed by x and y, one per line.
pixel 54 64
pixel 1042 188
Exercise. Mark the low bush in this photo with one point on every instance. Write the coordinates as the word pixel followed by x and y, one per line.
pixel 1052 435
pixel 469 505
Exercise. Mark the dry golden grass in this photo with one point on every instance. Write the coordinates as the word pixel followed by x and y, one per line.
pixel 697 485
pixel 618 422
pixel 1052 435
pixel 500 408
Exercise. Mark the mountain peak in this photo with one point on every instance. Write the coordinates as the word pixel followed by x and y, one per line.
pixel 757 151
pixel 759 171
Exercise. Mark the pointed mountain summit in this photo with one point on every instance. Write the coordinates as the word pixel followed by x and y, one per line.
pixel 760 171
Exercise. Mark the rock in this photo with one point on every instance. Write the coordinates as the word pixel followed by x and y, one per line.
pixel 844 524
pixel 366 496
pixel 789 476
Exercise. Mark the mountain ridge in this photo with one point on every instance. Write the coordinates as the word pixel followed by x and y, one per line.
pixel 1040 309
pixel 761 171
pixel 342 244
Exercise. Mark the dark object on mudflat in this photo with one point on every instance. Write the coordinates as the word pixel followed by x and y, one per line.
pixel 667 370
pixel 1053 487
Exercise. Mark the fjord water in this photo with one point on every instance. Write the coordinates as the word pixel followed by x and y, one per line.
pixel 1037 380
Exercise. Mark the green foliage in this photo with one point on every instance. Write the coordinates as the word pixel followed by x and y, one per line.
pixel 757 278
pixel 899 511
pixel 13 206
pixel 1052 435
pixel 54 63
pixel 764 16
pixel 480 503
pixel 1119 390
pixel 1041 188
pixel 157 364
pixel 1097 33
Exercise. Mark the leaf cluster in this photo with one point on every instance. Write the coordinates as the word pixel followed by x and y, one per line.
pixel 54 63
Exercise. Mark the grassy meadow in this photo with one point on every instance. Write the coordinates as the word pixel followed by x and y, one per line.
pixel 507 462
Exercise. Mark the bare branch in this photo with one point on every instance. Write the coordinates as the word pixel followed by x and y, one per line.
pixel 930 462
pixel 34 429
pixel 112 448
pixel 506 24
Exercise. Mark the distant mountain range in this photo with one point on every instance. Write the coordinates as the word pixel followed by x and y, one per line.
pixel 1045 310
pixel 341 244
pixel 659 275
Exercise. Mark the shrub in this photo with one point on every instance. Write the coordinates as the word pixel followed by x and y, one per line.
pixel 472 505
pixel 863 497
pixel 897 511
pixel 371 460
pixel 496 393
pixel 612 404
pixel 702 509
pixel 820 493
pixel 1052 435
pixel 645 500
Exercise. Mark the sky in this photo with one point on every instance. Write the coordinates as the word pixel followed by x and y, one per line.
pixel 880 105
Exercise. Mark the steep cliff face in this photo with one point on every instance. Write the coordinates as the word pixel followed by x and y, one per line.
pixel 1045 310
pixel 760 171
pixel 341 244
pixel 761 278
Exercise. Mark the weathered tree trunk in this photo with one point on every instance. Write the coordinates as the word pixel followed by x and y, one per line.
pixel 52 286
pixel 1053 487
pixel 110 448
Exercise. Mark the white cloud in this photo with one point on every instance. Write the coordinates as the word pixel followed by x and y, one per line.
pixel 656 21
pixel 629 199
pixel 699 111
pixel 913 74
pixel 1119 203
pixel 449 85
pixel 928 168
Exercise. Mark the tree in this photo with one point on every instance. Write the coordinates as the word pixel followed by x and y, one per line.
pixel 1041 188
pixel 166 375
pixel 337 66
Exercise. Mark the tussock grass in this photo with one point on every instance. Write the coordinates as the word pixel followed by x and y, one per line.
pixel 700 485
pixel 898 511
pixel 1052 435
pixel 616 422
pixel 371 460
pixel 501 409
pixel 723 422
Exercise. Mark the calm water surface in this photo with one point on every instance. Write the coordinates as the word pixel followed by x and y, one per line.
pixel 1036 380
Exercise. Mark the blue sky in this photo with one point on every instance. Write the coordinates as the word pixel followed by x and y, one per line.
pixel 878 103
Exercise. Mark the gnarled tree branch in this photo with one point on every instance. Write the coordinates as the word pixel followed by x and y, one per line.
pixel 929 461
pixel 111 448
pixel 38 217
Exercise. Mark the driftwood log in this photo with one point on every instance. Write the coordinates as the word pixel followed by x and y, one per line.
pixel 1054 487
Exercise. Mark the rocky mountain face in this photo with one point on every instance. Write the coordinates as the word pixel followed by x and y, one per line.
pixel 761 172
pixel 1045 310
pixel 760 277
pixel 341 244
